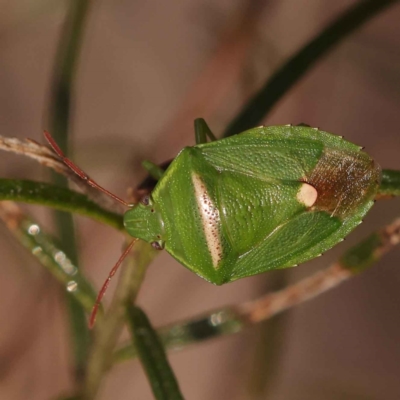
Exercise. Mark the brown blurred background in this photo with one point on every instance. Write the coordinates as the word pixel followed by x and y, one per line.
pixel 148 69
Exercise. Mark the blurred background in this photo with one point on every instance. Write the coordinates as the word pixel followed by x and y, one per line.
pixel 146 70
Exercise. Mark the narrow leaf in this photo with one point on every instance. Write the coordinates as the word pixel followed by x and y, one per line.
pixel 152 356
pixel 57 197
pixel 224 321
pixel 62 85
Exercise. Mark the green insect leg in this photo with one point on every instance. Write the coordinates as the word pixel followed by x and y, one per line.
pixel 202 130
pixel 154 170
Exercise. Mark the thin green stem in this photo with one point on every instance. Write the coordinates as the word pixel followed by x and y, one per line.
pixel 46 250
pixel 60 108
pixel 64 72
pixel 282 80
pixel 390 184
pixel 59 198
pixel 234 319
pixel 152 356
pixel 108 331
pixel 221 322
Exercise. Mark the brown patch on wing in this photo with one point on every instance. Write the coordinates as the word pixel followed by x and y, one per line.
pixel 343 181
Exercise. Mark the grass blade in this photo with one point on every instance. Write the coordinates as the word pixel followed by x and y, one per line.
pixel 152 356
pixel 60 107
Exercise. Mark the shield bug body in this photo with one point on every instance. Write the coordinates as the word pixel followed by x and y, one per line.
pixel 268 198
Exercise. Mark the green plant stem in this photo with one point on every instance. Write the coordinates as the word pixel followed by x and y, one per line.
pixel 60 198
pixel 60 108
pixel 64 72
pixel 281 81
pixel 390 184
pixel 234 319
pixel 45 249
pixel 177 336
pixel 152 356
pixel 108 331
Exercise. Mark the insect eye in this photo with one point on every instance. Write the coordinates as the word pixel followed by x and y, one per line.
pixel 145 200
pixel 158 245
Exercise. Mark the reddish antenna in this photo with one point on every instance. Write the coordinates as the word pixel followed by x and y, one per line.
pixel 106 283
pixel 73 167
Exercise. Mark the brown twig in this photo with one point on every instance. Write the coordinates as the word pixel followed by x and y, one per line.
pixel 390 237
pixel 272 304
pixel 38 152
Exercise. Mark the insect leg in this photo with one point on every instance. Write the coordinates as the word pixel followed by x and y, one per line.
pixel 73 167
pixel 153 169
pixel 201 131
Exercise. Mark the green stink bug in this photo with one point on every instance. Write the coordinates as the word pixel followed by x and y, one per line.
pixel 268 198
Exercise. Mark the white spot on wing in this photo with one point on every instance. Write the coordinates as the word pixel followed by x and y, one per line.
pixel 210 219
pixel 307 195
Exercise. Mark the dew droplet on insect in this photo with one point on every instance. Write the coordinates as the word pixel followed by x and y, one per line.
pixel 33 229
pixel 72 286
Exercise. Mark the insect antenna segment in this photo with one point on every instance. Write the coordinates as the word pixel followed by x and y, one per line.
pixel 83 175
pixel 106 283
